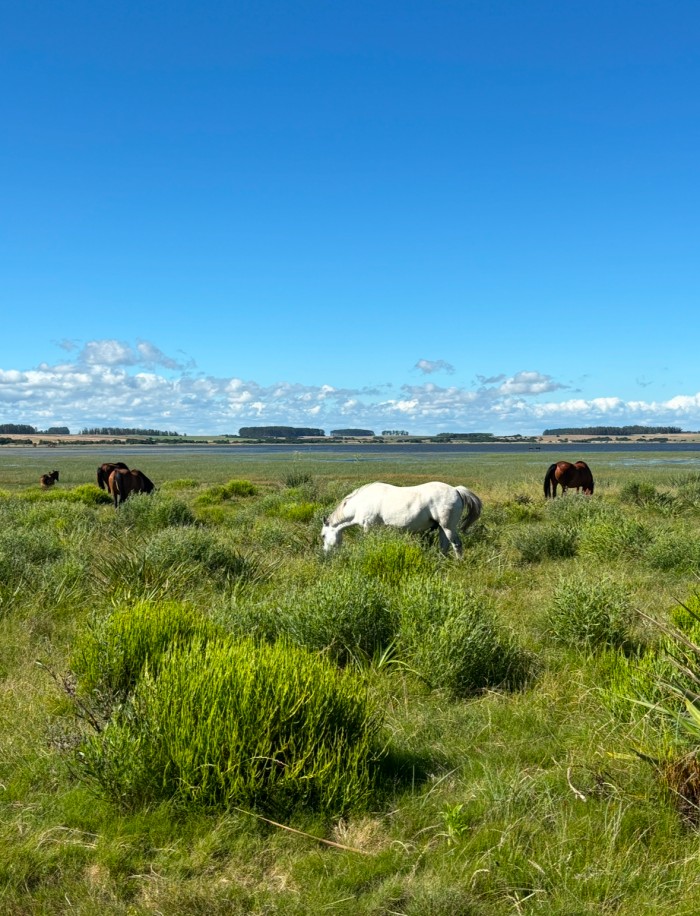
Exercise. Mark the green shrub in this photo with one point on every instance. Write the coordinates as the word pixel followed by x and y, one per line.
pixel 344 614
pixel 110 655
pixel 89 494
pixel 546 542
pixel 182 483
pixel 224 492
pixel 297 478
pixel 576 510
pixel 24 551
pixel 685 616
pixel 632 686
pixel 638 493
pixel 386 554
pixel 590 613
pixel 274 534
pixel 672 550
pixel 689 491
pixel 450 637
pixel 298 512
pixel 523 509
pixel 151 511
pixel 614 537
pixel 238 724
pixel 201 553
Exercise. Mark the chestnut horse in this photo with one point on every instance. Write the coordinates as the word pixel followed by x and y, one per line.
pixel 122 482
pixel 104 470
pixel 48 480
pixel 568 475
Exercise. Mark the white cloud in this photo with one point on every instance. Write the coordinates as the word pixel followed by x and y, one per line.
pixel 428 366
pixel 116 384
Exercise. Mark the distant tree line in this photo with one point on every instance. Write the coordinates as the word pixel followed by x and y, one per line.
pixel 352 432
pixel 124 431
pixel 278 432
pixel 394 432
pixel 25 430
pixel 466 437
pixel 17 428
pixel 611 430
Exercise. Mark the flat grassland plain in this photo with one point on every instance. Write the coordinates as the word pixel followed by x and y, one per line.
pixel 521 762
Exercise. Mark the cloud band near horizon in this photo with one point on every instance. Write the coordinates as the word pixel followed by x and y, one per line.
pixel 110 383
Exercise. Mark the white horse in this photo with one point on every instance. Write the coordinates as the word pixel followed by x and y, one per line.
pixel 429 505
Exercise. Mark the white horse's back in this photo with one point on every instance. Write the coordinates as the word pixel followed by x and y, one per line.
pixel 417 508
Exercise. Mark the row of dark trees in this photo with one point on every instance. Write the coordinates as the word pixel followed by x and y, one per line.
pixel 23 429
pixel 125 431
pixel 613 431
pixel 278 432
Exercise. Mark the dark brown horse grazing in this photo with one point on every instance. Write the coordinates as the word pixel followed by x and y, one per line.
pixel 104 470
pixel 122 482
pixel 48 480
pixel 568 475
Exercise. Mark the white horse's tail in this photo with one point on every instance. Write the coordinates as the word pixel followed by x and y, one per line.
pixel 472 504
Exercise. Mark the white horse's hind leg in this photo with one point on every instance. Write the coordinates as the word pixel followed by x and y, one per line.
pixel 450 538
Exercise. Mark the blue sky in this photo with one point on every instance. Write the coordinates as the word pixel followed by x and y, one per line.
pixel 432 216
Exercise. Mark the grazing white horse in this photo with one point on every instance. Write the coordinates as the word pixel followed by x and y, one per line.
pixel 420 508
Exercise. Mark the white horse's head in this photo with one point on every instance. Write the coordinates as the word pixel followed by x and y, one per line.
pixel 330 536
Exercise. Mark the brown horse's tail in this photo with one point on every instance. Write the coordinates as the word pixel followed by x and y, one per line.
pixel 548 478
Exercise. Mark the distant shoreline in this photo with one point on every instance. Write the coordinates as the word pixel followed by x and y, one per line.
pixel 15 440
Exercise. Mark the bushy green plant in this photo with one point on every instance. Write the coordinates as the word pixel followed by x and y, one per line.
pixel 239 488
pixel 674 550
pixel 632 687
pixel 689 491
pixel 89 494
pixel 386 554
pixel 344 614
pixel 269 533
pixel 110 655
pixel 451 638
pixel 522 508
pixel 537 543
pixel 24 551
pixel 224 492
pixel 638 492
pixel 685 616
pixel 297 478
pixel 297 511
pixel 575 510
pixel 150 511
pixel 588 613
pixel 182 483
pixel 202 552
pixel 239 724
pixel 614 537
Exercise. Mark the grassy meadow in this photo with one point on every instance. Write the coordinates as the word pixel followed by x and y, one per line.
pixel 202 713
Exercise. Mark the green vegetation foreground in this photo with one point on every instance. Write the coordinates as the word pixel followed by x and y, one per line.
pixel 202 713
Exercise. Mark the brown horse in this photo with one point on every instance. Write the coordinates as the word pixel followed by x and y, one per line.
pixel 48 480
pixel 568 475
pixel 104 470
pixel 123 482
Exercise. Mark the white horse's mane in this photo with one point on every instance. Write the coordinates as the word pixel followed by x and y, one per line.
pixel 332 518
